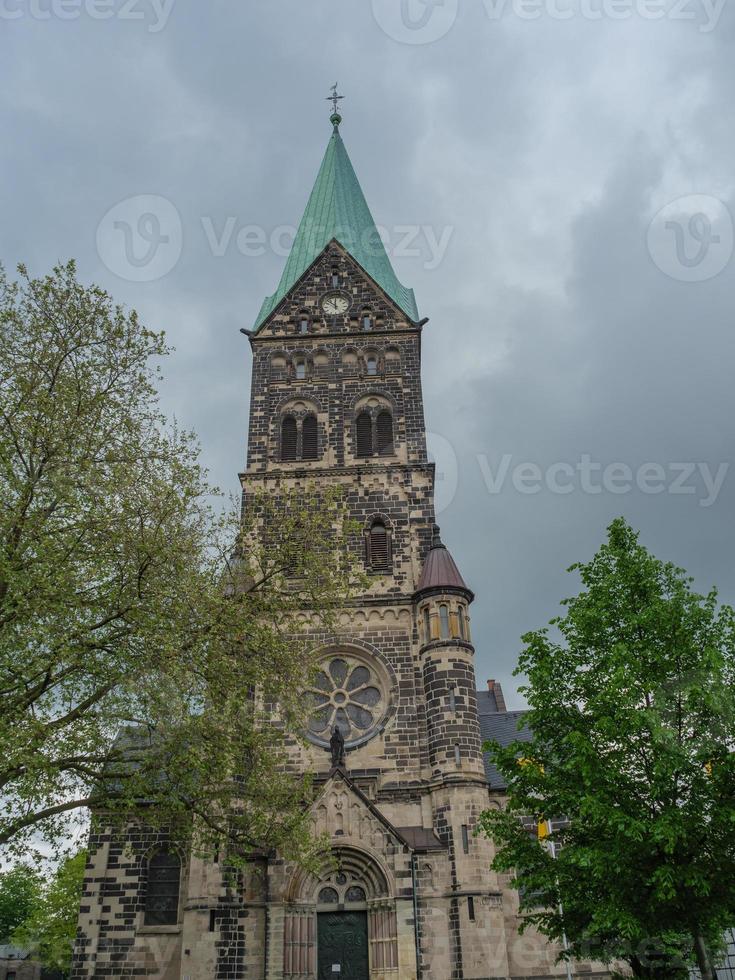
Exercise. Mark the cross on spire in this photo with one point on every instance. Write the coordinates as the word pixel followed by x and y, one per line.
pixel 335 98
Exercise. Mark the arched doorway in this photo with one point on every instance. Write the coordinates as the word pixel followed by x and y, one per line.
pixel 344 915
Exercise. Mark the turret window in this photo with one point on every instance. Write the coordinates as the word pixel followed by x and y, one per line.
pixel 162 894
pixel 462 623
pixel 378 547
pixel 289 438
pixel 427 625
pixel 444 622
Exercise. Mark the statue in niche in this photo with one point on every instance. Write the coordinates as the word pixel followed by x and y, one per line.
pixel 337 748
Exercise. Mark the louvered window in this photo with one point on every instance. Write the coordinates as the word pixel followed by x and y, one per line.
pixel 162 895
pixel 288 438
pixel 385 433
pixel 364 431
pixel 309 438
pixel 379 547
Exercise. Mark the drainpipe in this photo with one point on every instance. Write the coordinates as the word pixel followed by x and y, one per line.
pixel 416 933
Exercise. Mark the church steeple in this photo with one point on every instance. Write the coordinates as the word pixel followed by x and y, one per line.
pixel 337 210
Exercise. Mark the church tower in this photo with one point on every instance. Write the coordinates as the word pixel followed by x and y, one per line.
pixel 337 401
pixel 406 892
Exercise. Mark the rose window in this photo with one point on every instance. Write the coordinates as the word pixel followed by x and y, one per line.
pixel 349 693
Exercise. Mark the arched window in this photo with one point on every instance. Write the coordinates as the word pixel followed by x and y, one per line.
pixel 162 895
pixel 385 433
pixel 379 555
pixel 303 326
pixel 367 320
pixel 309 438
pixel 427 624
pixel 335 278
pixel 444 622
pixel 372 365
pixel 364 432
pixel 288 438
pixel 462 624
pixel 328 896
pixel 300 370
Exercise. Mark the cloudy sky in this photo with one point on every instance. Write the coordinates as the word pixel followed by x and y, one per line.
pixel 554 177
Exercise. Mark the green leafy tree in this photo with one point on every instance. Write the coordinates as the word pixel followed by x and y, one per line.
pixel 50 929
pixel 149 636
pixel 632 722
pixel 20 894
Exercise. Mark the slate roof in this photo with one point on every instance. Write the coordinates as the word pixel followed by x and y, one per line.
pixel 337 210
pixel 9 952
pixel 498 726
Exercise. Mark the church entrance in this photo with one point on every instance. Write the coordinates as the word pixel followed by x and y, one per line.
pixel 342 946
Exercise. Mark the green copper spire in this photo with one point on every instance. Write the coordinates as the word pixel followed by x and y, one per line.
pixel 337 209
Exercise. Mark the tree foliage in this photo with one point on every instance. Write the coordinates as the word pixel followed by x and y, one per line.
pixel 20 895
pixel 148 635
pixel 48 932
pixel 632 731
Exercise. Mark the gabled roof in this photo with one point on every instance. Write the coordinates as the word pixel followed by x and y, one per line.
pixel 415 838
pixel 337 210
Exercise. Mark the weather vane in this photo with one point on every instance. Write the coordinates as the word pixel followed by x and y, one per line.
pixel 335 98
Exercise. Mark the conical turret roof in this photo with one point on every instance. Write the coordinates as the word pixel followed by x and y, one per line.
pixel 440 570
pixel 337 210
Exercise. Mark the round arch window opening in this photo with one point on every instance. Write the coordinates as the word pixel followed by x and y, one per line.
pixel 348 692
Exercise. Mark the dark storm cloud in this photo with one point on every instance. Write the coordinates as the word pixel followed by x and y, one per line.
pixel 535 152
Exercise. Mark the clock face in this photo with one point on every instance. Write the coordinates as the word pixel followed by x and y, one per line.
pixel 335 304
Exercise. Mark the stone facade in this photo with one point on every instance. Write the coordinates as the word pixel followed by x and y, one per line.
pixel 407 892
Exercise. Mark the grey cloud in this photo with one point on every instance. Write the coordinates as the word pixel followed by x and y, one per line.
pixel 547 147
